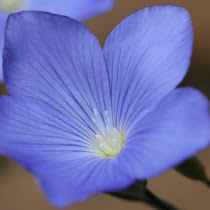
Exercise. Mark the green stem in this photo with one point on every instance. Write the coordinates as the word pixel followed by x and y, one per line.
pixel 147 197
pixel 157 203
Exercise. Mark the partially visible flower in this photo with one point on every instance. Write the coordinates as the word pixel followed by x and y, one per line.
pixel 76 9
pixel 85 121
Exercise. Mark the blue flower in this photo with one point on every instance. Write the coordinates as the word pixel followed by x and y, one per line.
pixel 76 9
pixel 87 121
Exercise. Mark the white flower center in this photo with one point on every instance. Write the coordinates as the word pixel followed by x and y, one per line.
pixel 108 139
pixel 10 5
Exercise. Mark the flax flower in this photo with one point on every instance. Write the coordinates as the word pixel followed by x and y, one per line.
pixel 86 121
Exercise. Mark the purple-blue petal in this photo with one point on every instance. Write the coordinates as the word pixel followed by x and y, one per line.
pixel 76 9
pixel 57 61
pixel 175 130
pixel 57 151
pixel 147 56
pixel 2 26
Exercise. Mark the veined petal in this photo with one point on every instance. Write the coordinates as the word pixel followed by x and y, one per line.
pixel 2 25
pixel 175 130
pixel 76 9
pixel 147 55
pixel 57 61
pixel 57 151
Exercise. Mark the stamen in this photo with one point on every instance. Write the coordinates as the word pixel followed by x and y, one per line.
pixel 108 134
pixel 117 134
pixel 107 150
pixel 95 112
pixel 100 138
pixel 108 121
pixel 116 145
pixel 108 138
pixel 98 121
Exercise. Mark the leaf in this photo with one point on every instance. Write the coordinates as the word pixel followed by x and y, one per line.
pixel 139 192
pixel 193 169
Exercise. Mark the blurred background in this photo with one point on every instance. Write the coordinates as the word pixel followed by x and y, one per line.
pixel 18 190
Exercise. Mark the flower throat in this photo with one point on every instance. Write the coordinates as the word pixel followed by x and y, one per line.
pixel 108 139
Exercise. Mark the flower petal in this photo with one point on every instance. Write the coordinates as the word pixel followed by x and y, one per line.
pixel 175 130
pixel 76 9
pixel 2 26
pixel 147 55
pixel 48 144
pixel 57 61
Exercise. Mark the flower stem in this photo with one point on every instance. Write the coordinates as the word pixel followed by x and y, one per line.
pixel 157 203
pixel 139 192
